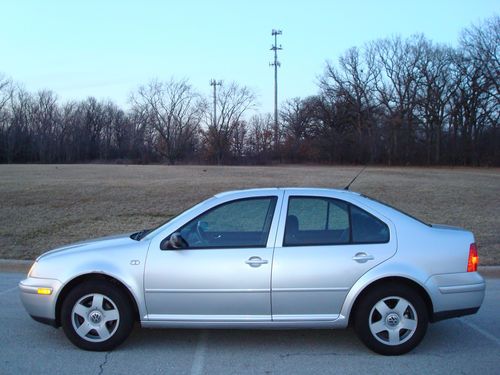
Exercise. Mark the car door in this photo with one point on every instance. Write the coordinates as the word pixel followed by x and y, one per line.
pixel 323 246
pixel 224 274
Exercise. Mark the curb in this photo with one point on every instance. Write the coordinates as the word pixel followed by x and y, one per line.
pixel 490 271
pixel 15 265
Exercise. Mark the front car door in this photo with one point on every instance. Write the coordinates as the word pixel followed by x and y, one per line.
pixel 224 274
pixel 324 245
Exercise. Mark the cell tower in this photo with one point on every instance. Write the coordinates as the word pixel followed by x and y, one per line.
pixel 276 64
pixel 215 83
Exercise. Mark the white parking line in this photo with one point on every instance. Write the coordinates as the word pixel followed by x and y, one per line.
pixel 482 331
pixel 8 290
pixel 199 355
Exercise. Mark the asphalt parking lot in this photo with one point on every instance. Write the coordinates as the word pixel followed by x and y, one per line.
pixel 467 345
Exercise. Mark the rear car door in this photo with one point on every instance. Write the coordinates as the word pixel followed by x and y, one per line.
pixel 324 245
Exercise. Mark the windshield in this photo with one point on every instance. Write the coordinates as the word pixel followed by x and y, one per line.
pixel 143 233
pixel 153 231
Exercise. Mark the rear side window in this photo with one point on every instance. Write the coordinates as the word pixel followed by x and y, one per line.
pixel 327 221
pixel 316 221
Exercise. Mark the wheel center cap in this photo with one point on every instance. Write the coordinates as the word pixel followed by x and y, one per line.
pixel 95 316
pixel 392 320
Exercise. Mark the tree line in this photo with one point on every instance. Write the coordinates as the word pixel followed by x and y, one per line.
pixel 394 101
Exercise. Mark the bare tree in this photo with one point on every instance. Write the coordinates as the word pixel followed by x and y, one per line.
pixel 435 87
pixel 19 134
pixel 67 139
pixel 6 92
pixel 260 141
pixel 296 117
pixel 397 89
pixel 478 102
pixel 482 45
pixel 45 123
pixel 353 85
pixel 232 102
pixel 175 111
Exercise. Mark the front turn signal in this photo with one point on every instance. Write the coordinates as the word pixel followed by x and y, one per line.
pixel 473 258
pixel 44 291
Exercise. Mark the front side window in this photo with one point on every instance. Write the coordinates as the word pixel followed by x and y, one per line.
pixel 240 223
pixel 327 221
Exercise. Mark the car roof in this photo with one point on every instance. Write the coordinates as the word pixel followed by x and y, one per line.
pixel 380 208
pixel 270 190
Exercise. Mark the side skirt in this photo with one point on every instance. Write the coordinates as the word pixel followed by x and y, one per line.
pixel 340 322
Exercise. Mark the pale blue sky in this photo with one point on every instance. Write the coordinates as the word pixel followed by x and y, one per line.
pixel 107 48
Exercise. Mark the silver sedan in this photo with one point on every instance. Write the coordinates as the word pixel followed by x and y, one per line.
pixel 264 258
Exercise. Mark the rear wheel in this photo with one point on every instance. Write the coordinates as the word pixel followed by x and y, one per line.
pixel 96 316
pixel 391 320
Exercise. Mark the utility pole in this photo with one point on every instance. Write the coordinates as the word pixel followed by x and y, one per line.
pixel 276 64
pixel 215 83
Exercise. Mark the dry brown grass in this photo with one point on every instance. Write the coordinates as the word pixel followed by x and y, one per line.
pixel 43 206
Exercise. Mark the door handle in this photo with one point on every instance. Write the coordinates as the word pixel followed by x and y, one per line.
pixel 256 261
pixel 362 257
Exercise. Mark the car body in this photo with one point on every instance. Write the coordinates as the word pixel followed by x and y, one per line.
pixel 263 258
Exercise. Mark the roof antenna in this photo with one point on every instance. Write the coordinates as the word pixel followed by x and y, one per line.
pixel 354 179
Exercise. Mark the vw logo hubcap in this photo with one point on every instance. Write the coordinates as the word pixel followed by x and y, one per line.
pixel 392 320
pixel 95 317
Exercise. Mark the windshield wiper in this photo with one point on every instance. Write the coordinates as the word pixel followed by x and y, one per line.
pixel 140 235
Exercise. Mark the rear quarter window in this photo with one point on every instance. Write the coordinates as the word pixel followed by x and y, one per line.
pixel 366 228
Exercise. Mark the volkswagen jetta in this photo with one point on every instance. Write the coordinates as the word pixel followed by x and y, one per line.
pixel 264 258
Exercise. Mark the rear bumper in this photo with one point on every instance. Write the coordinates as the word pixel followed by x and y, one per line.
pixel 455 294
pixel 436 317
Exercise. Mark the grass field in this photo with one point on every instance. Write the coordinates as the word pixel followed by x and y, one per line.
pixel 43 206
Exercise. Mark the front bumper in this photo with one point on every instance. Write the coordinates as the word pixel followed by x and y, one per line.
pixel 41 307
pixel 456 294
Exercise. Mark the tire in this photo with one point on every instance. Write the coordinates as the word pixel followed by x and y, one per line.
pixel 97 316
pixel 391 319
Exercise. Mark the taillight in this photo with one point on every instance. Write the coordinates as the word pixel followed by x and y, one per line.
pixel 473 258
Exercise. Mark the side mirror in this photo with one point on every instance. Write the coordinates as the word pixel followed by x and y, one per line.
pixel 174 242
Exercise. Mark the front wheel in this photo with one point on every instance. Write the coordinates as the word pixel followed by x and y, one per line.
pixel 96 316
pixel 391 320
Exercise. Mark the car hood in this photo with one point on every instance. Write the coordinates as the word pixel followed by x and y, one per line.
pixel 93 244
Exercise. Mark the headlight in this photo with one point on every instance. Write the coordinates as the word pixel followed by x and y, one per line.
pixel 32 269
